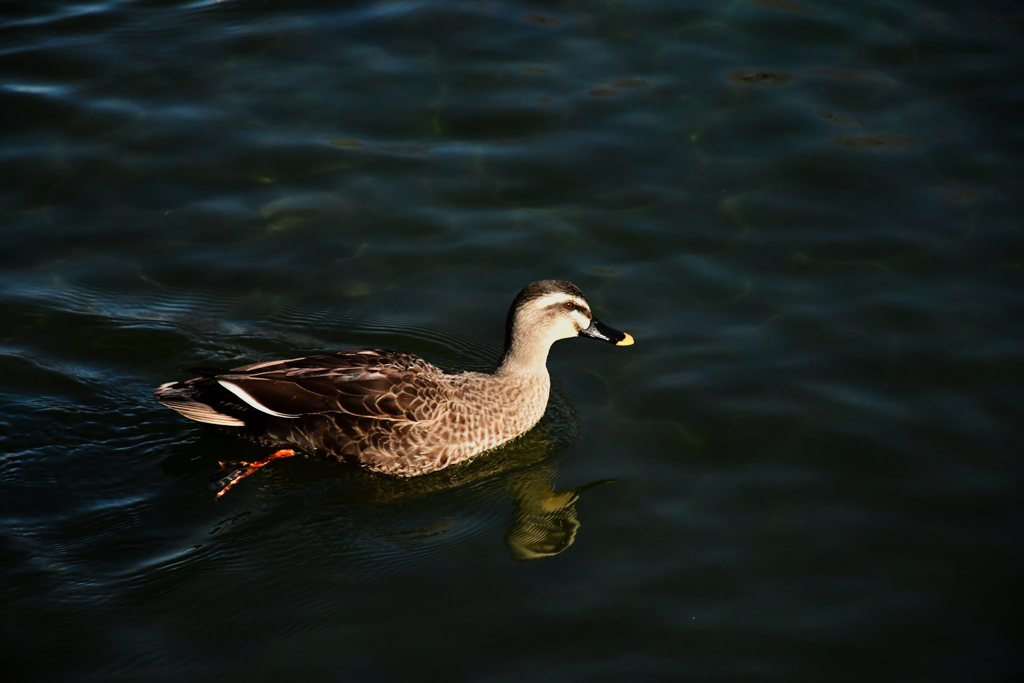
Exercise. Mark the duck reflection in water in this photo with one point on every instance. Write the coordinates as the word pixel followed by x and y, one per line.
pixel 544 520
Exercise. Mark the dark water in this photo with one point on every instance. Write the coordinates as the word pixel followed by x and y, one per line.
pixel 809 215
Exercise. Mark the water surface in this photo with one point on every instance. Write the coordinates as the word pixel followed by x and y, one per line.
pixel 807 213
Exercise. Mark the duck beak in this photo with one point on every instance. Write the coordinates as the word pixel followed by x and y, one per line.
pixel 598 330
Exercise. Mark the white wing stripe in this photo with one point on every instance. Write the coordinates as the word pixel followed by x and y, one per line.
pixel 247 397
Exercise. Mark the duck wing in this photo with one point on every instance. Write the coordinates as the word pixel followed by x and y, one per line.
pixel 377 384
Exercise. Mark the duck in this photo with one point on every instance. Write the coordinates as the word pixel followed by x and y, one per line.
pixel 387 411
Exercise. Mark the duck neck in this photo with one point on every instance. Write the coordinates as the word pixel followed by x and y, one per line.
pixel 524 357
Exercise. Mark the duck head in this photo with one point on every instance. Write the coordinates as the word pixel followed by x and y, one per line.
pixel 546 311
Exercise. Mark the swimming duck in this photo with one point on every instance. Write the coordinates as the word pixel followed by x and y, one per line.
pixel 389 411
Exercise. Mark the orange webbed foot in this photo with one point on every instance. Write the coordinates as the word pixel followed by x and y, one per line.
pixel 234 473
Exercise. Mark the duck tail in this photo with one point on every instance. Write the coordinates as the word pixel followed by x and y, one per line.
pixel 183 397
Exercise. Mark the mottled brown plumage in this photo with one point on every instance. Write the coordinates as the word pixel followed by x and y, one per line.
pixel 389 411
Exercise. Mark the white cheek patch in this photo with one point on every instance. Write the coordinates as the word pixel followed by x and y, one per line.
pixel 582 321
pixel 247 397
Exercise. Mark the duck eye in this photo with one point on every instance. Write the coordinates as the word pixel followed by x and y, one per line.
pixel 569 306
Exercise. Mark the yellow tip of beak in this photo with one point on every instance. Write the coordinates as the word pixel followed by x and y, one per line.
pixel 628 341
